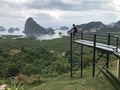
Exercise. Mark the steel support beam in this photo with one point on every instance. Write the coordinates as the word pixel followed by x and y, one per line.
pixel 81 56
pixel 94 55
pixel 108 56
pixel 71 53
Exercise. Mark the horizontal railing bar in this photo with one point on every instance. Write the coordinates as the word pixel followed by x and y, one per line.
pixel 106 38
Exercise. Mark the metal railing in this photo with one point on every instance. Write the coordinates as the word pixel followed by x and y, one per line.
pixel 109 39
pixel 104 38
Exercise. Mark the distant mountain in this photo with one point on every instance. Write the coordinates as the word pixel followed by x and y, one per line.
pixel 2 29
pixel 64 28
pixel 111 24
pixel 92 27
pixel 116 27
pixel 98 27
pixel 50 30
pixel 12 29
pixel 31 27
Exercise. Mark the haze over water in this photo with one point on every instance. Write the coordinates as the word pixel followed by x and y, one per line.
pixel 38 36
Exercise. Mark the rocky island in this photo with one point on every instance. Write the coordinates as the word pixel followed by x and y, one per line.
pixel 31 27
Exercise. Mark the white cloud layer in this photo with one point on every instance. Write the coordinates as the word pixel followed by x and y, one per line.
pixel 53 13
pixel 115 4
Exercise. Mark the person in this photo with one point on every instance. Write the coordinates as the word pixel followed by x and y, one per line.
pixel 74 30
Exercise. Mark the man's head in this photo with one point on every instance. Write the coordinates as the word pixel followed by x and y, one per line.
pixel 73 24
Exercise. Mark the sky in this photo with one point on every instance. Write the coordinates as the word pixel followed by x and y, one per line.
pixel 56 13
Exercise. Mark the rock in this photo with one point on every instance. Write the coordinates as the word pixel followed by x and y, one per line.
pixel 50 30
pixel 64 28
pixel 60 33
pixel 31 27
pixel 3 87
pixel 2 29
pixel 12 29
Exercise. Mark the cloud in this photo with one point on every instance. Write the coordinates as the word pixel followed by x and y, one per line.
pixel 95 5
pixel 76 5
pixel 58 12
pixel 48 4
pixel 115 4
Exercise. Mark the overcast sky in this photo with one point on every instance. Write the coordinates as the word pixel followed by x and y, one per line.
pixel 55 13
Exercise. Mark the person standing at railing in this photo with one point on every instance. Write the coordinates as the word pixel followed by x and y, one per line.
pixel 74 31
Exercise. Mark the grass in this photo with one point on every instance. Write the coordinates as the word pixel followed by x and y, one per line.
pixel 67 83
pixel 64 82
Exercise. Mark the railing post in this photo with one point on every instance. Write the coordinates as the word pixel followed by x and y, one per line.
pixel 81 55
pixel 108 43
pixel 94 55
pixel 71 52
pixel 117 43
pixel 108 39
pixel 81 34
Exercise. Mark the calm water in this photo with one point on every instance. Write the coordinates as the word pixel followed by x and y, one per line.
pixel 39 36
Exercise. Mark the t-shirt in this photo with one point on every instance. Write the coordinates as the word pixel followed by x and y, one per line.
pixel 75 29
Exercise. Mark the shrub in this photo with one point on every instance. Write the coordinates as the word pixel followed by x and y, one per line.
pixel 21 78
pixel 36 79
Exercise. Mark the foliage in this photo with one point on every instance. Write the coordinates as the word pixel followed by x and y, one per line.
pixel 30 56
pixel 16 87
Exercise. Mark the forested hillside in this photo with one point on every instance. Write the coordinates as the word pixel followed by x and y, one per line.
pixel 31 56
